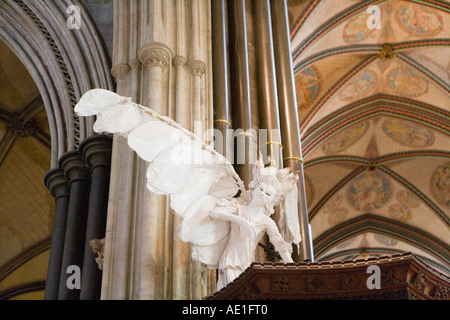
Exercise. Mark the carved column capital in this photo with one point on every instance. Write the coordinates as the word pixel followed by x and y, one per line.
pixel 74 166
pixel 179 61
pixel 155 55
pixel 96 150
pixel 56 183
pixel 120 72
pixel 135 64
pixel 197 67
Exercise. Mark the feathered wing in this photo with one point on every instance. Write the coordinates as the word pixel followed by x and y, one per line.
pixel 289 223
pixel 180 165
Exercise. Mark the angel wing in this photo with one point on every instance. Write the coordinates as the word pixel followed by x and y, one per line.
pixel 289 223
pixel 180 165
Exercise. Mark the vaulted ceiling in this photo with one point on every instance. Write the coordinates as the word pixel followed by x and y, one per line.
pixel 374 109
pixel 26 207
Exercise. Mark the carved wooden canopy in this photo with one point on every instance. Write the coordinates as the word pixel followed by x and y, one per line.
pixel 403 277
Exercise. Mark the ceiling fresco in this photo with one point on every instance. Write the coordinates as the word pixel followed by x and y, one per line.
pixel 374 113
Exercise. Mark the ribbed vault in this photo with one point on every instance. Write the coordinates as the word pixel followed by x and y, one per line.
pixel 45 67
pixel 374 109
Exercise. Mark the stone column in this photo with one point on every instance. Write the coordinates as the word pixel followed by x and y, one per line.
pixel 139 244
pixel 59 188
pixel 181 250
pixel 197 69
pixel 96 150
pixel 156 57
pixel 115 267
pixel 76 171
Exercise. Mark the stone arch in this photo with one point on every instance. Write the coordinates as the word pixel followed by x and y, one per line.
pixel 63 63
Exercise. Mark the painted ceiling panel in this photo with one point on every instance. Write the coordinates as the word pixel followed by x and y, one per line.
pixel 322 12
pixel 433 179
pixel 399 21
pixel 380 136
pixel 377 102
pixel 379 194
pixel 393 77
pixel 314 81
pixel 321 177
pixel 436 61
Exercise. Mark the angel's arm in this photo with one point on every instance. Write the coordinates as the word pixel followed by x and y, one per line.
pixel 227 213
pixel 284 248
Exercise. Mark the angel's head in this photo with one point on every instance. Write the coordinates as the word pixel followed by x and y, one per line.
pixel 270 185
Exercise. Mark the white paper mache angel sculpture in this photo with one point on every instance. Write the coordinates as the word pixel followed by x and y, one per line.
pixel 224 230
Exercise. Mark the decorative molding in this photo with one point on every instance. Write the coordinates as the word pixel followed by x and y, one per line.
pixel 387 52
pixel 120 71
pixel 315 283
pixel 271 254
pixel 197 67
pixel 343 280
pixel 357 252
pixel 442 292
pixel 98 247
pixel 179 61
pixel 281 284
pixel 135 64
pixel 155 55
pixel 62 65
pixel 352 281
pixel 420 281
pixel 20 129
pixel 250 292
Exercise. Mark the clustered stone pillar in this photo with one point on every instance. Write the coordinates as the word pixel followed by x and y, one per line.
pixel 58 185
pixel 76 171
pixel 161 58
pixel 96 151
pixel 80 186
